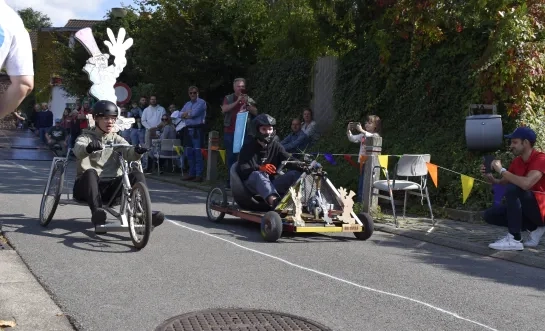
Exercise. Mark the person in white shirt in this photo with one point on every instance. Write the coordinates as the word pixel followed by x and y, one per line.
pixel 16 57
pixel 151 118
pixel 372 129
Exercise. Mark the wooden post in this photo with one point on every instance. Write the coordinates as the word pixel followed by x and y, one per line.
pixel 373 148
pixel 213 151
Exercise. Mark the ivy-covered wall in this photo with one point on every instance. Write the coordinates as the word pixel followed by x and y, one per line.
pixel 47 65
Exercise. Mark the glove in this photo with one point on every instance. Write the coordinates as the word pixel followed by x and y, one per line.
pixel 93 146
pixel 268 168
pixel 139 149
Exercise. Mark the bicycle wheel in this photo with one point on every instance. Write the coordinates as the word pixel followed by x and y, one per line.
pixel 140 220
pixel 52 195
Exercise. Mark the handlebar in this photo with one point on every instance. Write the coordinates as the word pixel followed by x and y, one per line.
pixel 107 145
pixel 312 164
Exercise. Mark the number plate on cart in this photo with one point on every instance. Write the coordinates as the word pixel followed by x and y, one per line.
pixel 351 228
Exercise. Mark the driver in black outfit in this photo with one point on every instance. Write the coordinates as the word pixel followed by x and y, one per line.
pixel 259 159
pixel 98 171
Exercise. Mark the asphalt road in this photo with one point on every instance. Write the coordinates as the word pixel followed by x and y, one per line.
pixel 385 283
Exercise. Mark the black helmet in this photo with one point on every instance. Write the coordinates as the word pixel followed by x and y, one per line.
pixel 105 108
pixel 264 120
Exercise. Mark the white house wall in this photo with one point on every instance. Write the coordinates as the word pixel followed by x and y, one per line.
pixel 59 101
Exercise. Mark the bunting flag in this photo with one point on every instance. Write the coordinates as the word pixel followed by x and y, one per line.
pixel 204 153
pixel 222 155
pixel 330 158
pixel 383 162
pixel 348 159
pixel 499 192
pixel 467 185
pixel 363 158
pixel 432 170
pixel 179 149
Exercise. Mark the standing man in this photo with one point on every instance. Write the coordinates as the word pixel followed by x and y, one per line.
pixel 524 207
pixel 16 56
pixel 233 104
pixel 151 118
pixel 194 113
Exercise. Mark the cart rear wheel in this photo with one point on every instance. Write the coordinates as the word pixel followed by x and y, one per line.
pixel 50 198
pixel 271 226
pixel 216 197
pixel 141 218
pixel 368 227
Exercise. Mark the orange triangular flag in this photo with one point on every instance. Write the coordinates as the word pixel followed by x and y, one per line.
pixel 432 169
pixel 363 158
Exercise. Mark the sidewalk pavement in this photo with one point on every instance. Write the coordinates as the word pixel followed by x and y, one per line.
pixel 23 301
pixel 472 237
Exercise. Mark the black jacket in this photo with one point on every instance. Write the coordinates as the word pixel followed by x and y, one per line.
pixel 253 155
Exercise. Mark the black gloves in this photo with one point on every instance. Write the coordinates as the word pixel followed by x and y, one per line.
pixel 139 149
pixel 93 146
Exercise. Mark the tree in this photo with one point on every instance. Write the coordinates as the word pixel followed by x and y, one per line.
pixel 34 19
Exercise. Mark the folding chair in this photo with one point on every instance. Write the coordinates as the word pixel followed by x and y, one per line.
pixel 409 165
pixel 166 150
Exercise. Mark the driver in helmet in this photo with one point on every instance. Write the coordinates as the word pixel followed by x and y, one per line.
pixel 98 172
pixel 259 159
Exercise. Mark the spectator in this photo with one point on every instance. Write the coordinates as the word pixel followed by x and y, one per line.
pixel 80 121
pixel 151 118
pixel 309 126
pixel 44 120
pixel 233 104
pixel 138 108
pixel 524 182
pixel 21 119
pixel 57 135
pixel 297 140
pixel 372 129
pixel 16 57
pixel 167 129
pixel 194 113
pixel 138 137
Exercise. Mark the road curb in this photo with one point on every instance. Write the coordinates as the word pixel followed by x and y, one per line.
pixel 511 256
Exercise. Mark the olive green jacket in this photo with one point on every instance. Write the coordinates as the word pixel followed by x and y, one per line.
pixel 105 162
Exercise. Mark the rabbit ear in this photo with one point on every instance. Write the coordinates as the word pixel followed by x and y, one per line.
pixel 108 43
pixel 128 43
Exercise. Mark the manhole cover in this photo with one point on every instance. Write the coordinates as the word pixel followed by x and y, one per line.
pixel 239 320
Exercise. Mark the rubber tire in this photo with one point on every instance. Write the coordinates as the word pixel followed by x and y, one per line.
pixel 146 206
pixel 271 226
pixel 44 221
pixel 209 211
pixel 368 227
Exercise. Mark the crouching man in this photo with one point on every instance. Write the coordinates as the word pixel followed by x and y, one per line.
pixel 259 159
pixel 524 207
pixel 98 171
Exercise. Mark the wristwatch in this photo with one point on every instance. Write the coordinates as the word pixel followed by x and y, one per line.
pixel 502 170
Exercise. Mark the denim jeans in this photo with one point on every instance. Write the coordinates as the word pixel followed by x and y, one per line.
pixel 261 184
pixel 43 131
pixel 193 151
pixel 520 211
pixel 137 136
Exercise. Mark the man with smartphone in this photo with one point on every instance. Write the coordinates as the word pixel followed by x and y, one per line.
pixel 233 104
pixel 524 207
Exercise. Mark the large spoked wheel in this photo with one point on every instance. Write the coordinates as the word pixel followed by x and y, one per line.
pixel 52 194
pixel 140 220
pixel 271 226
pixel 216 197
pixel 368 227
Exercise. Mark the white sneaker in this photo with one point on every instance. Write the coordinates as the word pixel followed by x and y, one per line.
pixel 534 237
pixel 507 243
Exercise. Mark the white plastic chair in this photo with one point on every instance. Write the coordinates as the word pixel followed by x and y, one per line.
pixel 409 165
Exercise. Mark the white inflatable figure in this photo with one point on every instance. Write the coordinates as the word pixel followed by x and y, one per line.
pixel 296 197
pixel 348 203
pixel 102 76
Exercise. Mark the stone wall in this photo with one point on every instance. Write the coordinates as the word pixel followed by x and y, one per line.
pixel 9 122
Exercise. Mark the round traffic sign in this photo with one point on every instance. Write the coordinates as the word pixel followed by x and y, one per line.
pixel 123 93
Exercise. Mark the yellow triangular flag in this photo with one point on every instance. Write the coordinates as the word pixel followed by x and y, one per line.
pixel 178 149
pixel 383 161
pixel 432 169
pixel 222 155
pixel 467 185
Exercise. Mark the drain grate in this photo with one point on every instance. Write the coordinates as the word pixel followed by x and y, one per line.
pixel 239 320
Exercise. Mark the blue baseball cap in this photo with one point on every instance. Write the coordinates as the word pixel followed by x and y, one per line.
pixel 523 133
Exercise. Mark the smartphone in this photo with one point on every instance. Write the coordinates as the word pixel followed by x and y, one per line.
pixel 243 91
pixel 487 160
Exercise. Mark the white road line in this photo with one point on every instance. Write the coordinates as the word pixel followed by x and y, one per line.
pixel 22 166
pixel 334 277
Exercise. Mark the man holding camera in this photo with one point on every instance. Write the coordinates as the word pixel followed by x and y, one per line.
pixel 233 104
pixel 524 207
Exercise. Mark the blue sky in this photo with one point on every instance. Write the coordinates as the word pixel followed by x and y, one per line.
pixel 60 11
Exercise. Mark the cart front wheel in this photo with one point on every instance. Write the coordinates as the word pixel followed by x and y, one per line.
pixel 50 198
pixel 216 197
pixel 141 218
pixel 368 227
pixel 271 226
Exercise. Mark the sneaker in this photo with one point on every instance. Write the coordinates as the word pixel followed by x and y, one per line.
pixel 99 217
pixel 534 237
pixel 507 243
